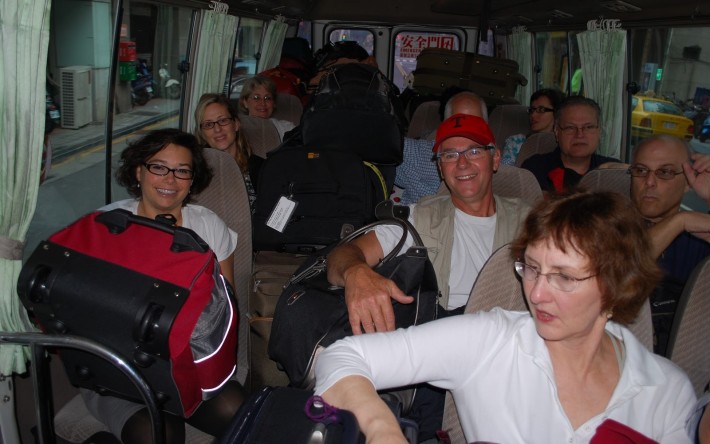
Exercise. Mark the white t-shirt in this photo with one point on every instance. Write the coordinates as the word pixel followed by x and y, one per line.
pixel 282 126
pixel 501 377
pixel 203 221
pixel 473 245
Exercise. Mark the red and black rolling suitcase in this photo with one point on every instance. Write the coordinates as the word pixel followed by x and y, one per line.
pixel 150 291
pixel 492 78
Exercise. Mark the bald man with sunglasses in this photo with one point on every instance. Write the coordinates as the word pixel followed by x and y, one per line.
pixel 662 171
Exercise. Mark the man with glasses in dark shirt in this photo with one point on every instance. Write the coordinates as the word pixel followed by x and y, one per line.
pixel 578 134
pixel 662 171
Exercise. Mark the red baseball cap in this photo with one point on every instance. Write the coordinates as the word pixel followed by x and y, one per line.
pixel 464 125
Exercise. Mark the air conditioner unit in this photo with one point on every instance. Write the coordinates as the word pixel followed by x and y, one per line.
pixel 75 85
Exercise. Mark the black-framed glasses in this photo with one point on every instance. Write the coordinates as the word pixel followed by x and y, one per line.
pixel 665 173
pixel 221 122
pixel 560 281
pixel 540 110
pixel 162 170
pixel 473 153
pixel 258 98
pixel 584 129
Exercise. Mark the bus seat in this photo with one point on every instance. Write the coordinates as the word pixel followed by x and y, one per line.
pixel 425 120
pixel 261 134
pixel 507 120
pixel 227 197
pixel 538 143
pixel 510 181
pixel 608 179
pixel 688 344
pixel 288 107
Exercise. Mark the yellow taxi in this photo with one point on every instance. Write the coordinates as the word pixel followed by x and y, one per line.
pixel 651 116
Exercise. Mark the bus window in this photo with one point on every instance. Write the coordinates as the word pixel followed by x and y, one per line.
pixel 409 44
pixel 558 57
pixel 245 54
pixel 363 37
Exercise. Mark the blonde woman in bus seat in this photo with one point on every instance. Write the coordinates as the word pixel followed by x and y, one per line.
pixel 161 171
pixel 543 104
pixel 217 126
pixel 257 99
pixel 567 371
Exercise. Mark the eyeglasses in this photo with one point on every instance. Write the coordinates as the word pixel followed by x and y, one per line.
pixel 661 173
pixel 473 153
pixel 586 129
pixel 162 170
pixel 559 281
pixel 540 109
pixel 258 98
pixel 221 122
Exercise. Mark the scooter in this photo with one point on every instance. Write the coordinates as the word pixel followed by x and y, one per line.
pixel 169 87
pixel 142 86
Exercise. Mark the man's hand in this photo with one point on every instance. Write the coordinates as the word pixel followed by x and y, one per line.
pixel 696 223
pixel 368 297
pixel 698 175
pixel 367 294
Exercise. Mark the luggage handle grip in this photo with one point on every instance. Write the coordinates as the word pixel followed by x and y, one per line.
pixel 184 239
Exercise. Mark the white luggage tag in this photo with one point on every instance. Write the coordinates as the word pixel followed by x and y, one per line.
pixel 282 212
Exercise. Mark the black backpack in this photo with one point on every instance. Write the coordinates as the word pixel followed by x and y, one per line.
pixel 333 190
pixel 356 108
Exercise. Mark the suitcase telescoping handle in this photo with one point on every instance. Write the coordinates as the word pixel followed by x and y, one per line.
pixel 184 239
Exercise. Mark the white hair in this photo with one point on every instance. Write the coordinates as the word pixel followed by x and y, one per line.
pixel 470 96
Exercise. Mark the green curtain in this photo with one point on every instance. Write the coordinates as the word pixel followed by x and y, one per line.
pixel 603 57
pixel 273 42
pixel 24 39
pixel 520 49
pixel 209 63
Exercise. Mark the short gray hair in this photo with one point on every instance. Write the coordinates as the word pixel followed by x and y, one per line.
pixel 470 96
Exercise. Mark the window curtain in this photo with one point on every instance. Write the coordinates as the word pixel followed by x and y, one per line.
pixel 24 40
pixel 213 41
pixel 166 45
pixel 520 49
pixel 273 42
pixel 602 50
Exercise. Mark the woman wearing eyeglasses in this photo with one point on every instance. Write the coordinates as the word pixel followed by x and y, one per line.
pixel 217 126
pixel 161 171
pixel 543 104
pixel 566 371
pixel 257 99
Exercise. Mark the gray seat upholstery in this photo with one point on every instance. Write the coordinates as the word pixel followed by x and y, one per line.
pixel 288 107
pixel 261 134
pixel 510 181
pixel 227 197
pixel 497 285
pixel 507 120
pixel 538 143
pixel 688 345
pixel 425 120
pixel 608 179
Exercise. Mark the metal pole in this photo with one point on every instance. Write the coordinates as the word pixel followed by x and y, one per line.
pixel 108 125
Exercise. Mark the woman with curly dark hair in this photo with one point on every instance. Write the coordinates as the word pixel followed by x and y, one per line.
pixel 161 171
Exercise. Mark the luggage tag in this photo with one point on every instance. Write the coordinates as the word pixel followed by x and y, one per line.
pixel 282 212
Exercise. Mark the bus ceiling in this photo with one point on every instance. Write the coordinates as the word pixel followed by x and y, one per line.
pixel 542 15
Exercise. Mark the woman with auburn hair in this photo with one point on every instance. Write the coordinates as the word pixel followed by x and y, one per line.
pixel 567 370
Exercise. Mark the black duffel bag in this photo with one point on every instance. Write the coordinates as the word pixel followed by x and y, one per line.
pixel 311 313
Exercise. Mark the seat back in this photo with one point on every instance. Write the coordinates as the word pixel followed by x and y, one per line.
pixel 538 143
pixel 227 197
pixel 688 345
pixel 507 120
pixel 617 180
pixel 261 134
pixel 288 107
pixel 425 120
pixel 510 181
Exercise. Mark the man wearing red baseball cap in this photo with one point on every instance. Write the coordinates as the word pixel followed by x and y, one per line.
pixel 460 229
